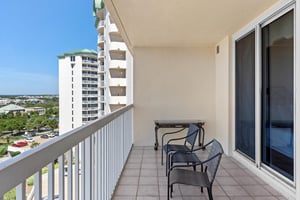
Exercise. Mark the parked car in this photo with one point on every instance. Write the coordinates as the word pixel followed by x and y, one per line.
pixel 56 133
pixel 29 134
pixel 29 139
pixel 20 144
pixel 51 135
pixel 44 136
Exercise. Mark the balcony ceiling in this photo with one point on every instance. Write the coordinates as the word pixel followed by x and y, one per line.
pixel 182 22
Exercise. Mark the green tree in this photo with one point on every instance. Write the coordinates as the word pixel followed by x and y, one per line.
pixel 53 124
pixel 39 122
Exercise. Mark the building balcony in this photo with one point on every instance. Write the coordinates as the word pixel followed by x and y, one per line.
pixel 89 75
pixel 101 68
pixel 100 39
pixel 118 100
pixel 101 54
pixel 117 46
pixel 89 115
pixel 100 26
pixel 89 82
pixel 102 98
pixel 117 64
pixel 99 161
pixel 88 68
pixel 113 28
pixel 117 82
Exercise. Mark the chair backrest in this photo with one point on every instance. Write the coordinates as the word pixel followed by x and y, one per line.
pixel 215 154
pixel 192 135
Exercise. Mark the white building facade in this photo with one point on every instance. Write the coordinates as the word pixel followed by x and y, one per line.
pixel 78 89
pixel 115 63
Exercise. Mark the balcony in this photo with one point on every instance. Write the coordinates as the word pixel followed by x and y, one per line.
pixel 144 177
pixel 117 64
pixel 117 82
pixel 113 28
pixel 101 156
pixel 117 46
pixel 100 26
pixel 100 39
pixel 118 100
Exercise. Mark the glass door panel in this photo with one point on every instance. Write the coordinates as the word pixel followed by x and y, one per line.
pixel 278 95
pixel 245 95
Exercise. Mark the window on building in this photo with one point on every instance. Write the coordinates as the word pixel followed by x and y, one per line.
pixel 72 58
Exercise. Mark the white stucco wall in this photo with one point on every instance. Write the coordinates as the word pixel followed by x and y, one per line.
pixel 173 83
pixel 222 94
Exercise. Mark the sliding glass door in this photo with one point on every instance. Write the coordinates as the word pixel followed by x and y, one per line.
pixel 278 95
pixel 245 95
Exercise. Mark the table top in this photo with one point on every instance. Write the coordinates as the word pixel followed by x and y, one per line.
pixel 176 121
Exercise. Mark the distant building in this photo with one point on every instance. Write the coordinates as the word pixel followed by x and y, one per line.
pixel 11 108
pixel 4 102
pixel 40 110
pixel 78 89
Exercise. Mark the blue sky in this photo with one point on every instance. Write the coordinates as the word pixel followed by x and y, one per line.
pixel 33 33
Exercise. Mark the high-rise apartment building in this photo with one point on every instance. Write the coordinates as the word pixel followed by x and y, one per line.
pixel 115 62
pixel 78 88
pixel 92 84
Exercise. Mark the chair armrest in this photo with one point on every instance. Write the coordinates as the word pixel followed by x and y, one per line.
pixel 194 164
pixel 169 133
pixel 203 147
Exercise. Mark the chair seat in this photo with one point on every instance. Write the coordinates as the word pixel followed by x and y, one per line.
pixel 175 147
pixel 185 158
pixel 189 177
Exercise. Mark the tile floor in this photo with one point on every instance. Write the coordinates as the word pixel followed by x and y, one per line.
pixel 144 179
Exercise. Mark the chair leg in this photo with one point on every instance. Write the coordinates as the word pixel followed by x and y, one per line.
pixel 162 155
pixel 171 191
pixel 209 190
pixel 167 163
pixel 168 188
pixel 194 167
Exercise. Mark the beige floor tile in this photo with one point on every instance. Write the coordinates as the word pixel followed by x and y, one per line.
pixel 256 190
pixel 129 180
pixel 226 180
pixel 124 198
pixel 148 172
pixel 148 190
pixel 235 191
pixel 144 180
pixel 126 190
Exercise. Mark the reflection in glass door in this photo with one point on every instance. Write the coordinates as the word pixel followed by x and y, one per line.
pixel 278 95
pixel 245 95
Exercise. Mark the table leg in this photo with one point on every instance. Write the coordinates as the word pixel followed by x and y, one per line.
pixel 156 140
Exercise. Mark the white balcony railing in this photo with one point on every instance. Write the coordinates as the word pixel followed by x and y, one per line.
pixel 118 100
pixel 95 156
pixel 115 64
pixel 118 82
pixel 117 46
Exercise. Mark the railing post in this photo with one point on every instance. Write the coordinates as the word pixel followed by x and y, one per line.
pixel 61 163
pixel 38 185
pixel 82 165
pixel 51 180
pixel 70 174
pixel 20 191
pixel 88 169
pixel 76 189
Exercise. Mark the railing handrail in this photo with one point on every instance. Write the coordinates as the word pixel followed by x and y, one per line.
pixel 26 164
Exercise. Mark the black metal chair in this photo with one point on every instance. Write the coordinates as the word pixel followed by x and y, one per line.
pixel 178 174
pixel 188 146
